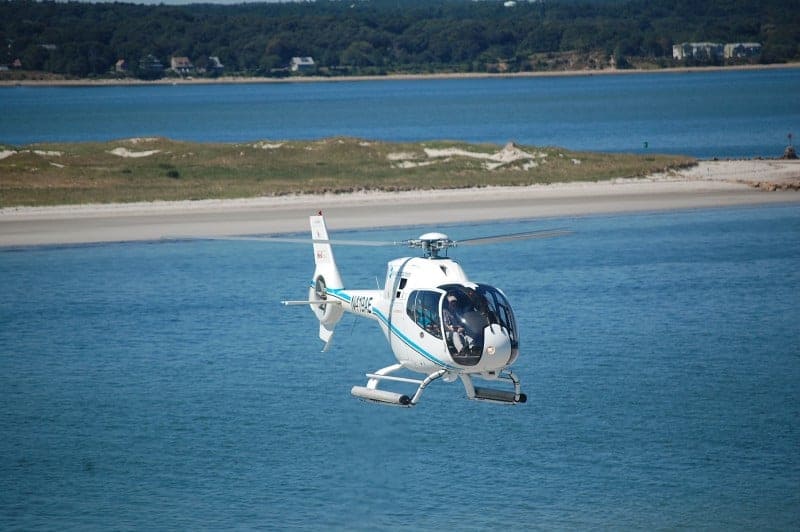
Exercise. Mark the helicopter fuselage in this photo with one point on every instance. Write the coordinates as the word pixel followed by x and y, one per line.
pixel 436 321
pixel 435 318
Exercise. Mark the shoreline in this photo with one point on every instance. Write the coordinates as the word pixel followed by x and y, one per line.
pixel 389 77
pixel 711 184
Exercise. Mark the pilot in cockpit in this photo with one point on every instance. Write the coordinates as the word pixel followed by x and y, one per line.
pixel 453 328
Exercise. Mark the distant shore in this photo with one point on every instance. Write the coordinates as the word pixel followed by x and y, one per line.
pixel 710 184
pixel 324 79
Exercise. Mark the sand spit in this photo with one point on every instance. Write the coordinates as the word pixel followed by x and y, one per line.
pixel 767 174
pixel 710 184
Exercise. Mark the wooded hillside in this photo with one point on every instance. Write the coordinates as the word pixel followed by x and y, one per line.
pixel 82 39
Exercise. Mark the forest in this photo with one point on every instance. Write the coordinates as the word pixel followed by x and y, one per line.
pixel 357 37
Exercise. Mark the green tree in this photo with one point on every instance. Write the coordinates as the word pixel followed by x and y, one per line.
pixel 359 54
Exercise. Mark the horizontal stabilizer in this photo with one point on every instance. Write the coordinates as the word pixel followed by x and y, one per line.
pixel 380 396
pixel 499 396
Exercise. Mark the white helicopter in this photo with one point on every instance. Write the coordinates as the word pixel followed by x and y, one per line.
pixel 438 323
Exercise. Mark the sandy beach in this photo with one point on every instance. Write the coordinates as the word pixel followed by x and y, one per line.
pixel 710 184
pixel 55 82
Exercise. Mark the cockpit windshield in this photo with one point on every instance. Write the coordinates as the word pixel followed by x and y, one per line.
pixel 462 316
pixel 467 312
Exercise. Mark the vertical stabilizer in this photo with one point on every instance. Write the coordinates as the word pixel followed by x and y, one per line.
pixel 323 254
pixel 326 278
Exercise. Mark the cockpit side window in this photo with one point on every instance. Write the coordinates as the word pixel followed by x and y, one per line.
pixel 423 308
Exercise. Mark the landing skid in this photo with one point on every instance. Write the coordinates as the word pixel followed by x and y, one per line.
pixel 493 395
pixel 372 393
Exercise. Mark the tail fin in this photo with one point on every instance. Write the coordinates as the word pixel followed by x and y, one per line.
pixel 326 279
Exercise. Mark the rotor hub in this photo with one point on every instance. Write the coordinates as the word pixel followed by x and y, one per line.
pixel 431 243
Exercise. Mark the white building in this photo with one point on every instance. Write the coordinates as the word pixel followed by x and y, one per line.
pixel 302 64
pixel 738 50
pixel 697 50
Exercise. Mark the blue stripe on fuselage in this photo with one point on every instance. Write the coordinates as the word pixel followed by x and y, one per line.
pixel 406 340
pixel 340 293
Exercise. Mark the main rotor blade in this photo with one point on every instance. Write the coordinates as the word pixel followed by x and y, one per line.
pixel 285 240
pixel 244 238
pixel 544 233
pixel 370 243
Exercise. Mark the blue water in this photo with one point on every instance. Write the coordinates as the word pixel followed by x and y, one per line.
pixel 703 114
pixel 162 385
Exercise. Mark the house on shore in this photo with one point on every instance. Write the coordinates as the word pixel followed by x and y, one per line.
pixel 302 64
pixel 181 65
pixel 742 50
pixel 707 51
pixel 703 51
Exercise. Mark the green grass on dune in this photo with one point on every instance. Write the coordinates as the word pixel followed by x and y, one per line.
pixel 161 169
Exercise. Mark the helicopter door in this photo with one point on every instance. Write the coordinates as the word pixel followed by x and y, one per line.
pixel 423 308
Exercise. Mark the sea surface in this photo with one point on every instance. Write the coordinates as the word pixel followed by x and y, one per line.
pixel 161 385
pixel 702 114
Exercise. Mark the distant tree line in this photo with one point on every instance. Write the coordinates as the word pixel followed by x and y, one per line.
pixel 385 36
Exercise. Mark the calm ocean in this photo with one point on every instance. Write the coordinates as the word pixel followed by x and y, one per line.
pixel 704 114
pixel 163 386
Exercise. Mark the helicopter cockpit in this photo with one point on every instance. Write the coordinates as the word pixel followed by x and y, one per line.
pixel 462 316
